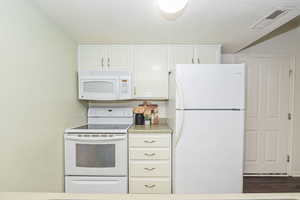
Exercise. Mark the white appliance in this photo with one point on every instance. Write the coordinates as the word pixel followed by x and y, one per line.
pixel 96 153
pixel 208 118
pixel 99 85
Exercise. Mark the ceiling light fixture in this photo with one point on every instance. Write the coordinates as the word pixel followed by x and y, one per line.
pixel 171 6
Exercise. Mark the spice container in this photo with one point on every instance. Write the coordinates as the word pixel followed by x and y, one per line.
pixel 139 119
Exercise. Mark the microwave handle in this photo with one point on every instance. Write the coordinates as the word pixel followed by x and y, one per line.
pixel 102 63
pixel 82 138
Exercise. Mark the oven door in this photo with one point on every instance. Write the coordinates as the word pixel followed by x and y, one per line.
pixel 96 154
pixel 99 89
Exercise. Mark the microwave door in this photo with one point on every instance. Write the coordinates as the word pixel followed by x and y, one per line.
pixel 105 89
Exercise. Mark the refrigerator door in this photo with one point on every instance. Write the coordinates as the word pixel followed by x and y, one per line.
pixel 210 86
pixel 208 154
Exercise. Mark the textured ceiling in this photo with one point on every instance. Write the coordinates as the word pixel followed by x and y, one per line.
pixel 139 21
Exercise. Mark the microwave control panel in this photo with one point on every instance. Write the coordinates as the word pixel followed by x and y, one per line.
pixel 124 87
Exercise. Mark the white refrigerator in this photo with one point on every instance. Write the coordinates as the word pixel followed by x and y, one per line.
pixel 208 103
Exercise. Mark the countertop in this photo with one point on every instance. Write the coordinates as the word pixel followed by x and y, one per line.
pixel 64 196
pixel 160 128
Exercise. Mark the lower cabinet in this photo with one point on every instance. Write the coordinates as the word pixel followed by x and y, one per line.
pixel 150 163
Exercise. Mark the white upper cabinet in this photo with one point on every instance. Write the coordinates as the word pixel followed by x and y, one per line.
pixel 105 57
pixel 181 54
pixel 151 71
pixel 194 54
pixel 91 57
pixel 208 54
pixel 119 58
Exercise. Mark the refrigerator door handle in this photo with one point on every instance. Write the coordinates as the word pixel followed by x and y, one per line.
pixel 179 131
pixel 181 107
pixel 180 94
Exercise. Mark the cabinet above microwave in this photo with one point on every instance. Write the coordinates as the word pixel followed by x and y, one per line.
pixel 100 85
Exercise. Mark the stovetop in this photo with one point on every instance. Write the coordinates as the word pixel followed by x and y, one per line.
pixel 103 126
pixel 100 128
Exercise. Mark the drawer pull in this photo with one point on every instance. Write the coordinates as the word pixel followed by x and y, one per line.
pixel 149 169
pixel 149 141
pixel 149 154
pixel 149 186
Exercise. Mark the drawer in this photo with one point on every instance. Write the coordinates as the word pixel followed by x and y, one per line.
pixel 154 168
pixel 149 154
pixel 149 140
pixel 150 185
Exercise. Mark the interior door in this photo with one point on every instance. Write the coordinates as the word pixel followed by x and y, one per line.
pixel 210 86
pixel 267 124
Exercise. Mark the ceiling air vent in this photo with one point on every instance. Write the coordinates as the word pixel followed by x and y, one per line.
pixel 269 19
pixel 275 14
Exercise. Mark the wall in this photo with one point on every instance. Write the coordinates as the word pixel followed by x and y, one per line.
pixel 38 98
pixel 162 105
pixel 284 44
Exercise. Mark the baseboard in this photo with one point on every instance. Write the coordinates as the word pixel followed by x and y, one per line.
pixel 295 174
pixel 266 175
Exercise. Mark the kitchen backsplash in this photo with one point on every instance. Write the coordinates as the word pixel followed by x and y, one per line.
pixel 162 105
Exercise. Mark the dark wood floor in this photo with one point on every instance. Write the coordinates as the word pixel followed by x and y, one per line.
pixel 271 184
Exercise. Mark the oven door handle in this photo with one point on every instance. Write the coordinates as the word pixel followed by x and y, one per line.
pixel 98 138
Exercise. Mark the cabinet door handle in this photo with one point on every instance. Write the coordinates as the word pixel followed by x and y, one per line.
pixel 102 62
pixel 149 186
pixel 149 154
pixel 108 62
pixel 198 60
pixel 149 141
pixel 134 90
pixel 149 169
pixel 193 60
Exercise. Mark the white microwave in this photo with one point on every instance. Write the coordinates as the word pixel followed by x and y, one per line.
pixel 99 85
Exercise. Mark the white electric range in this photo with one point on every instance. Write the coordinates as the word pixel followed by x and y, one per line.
pixel 96 153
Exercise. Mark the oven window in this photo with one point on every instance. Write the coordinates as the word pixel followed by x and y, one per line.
pixel 95 155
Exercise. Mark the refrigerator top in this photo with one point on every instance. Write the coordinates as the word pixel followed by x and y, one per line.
pixel 211 109
pixel 210 87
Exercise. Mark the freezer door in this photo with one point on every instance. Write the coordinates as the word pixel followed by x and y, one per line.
pixel 208 154
pixel 210 86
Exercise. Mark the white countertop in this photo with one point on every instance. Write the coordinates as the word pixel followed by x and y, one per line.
pixel 60 196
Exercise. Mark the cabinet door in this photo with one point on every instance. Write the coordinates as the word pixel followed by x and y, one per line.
pixel 208 54
pixel 151 71
pixel 150 185
pixel 119 58
pixel 91 57
pixel 181 54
